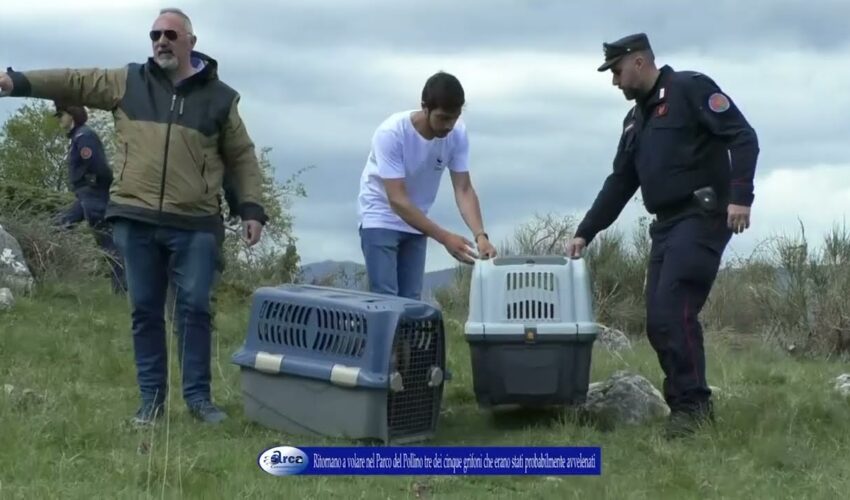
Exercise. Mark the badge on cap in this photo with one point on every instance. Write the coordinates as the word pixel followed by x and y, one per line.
pixel 85 153
pixel 718 102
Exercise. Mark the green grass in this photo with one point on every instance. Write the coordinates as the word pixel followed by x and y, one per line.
pixel 781 431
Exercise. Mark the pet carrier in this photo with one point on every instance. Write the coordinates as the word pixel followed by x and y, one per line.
pixel 321 361
pixel 530 331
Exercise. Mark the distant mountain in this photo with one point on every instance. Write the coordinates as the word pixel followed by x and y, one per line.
pixel 348 274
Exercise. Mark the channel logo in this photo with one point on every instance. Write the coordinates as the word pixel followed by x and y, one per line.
pixel 283 461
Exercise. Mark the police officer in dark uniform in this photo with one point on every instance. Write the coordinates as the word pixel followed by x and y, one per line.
pixel 692 153
pixel 90 177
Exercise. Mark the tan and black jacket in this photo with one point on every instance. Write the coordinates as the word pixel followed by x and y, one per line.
pixel 177 145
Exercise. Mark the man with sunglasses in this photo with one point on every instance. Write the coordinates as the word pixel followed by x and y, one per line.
pixel 180 133
pixel 693 154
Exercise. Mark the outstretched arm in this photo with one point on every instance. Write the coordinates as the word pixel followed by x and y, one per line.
pixel 92 87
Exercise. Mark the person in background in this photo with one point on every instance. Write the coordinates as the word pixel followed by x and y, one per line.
pixel 89 177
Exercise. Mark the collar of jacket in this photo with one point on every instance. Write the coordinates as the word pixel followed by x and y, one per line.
pixel 208 73
pixel 652 96
pixel 74 130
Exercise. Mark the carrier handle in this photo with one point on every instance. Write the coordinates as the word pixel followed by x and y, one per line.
pixel 530 259
pixel 419 312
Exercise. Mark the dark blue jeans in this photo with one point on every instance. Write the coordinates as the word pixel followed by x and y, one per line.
pixel 90 206
pixel 684 260
pixel 395 261
pixel 149 252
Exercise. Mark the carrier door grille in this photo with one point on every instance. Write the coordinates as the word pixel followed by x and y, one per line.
pixel 531 295
pixel 417 347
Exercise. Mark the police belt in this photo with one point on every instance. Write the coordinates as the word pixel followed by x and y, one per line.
pixel 688 206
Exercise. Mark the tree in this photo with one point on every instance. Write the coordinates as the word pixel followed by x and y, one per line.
pixel 275 259
pixel 33 148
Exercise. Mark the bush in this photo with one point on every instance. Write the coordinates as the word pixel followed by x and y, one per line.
pixel 793 295
pixel 26 200
pixel 52 254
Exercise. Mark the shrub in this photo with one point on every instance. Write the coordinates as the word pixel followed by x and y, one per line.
pixel 53 254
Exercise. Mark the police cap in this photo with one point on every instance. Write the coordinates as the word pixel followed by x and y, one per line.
pixel 614 51
pixel 78 113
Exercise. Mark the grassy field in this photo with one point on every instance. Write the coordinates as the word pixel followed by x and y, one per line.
pixel 781 431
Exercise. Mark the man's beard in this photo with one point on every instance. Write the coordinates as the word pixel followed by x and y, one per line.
pixel 630 93
pixel 168 62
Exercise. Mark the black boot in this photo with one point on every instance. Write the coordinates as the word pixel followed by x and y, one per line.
pixel 683 422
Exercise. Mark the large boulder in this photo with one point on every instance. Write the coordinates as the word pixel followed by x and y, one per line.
pixel 14 273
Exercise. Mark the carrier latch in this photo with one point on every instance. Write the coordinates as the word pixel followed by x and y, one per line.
pixel 530 334
pixel 436 377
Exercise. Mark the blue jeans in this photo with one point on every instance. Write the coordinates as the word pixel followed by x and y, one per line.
pixel 149 252
pixel 395 261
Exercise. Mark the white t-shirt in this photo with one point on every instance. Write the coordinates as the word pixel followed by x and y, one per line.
pixel 399 151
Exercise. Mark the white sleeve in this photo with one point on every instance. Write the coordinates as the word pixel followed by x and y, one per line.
pixel 460 155
pixel 387 148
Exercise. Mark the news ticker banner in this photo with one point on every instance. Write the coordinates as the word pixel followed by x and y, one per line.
pixel 431 460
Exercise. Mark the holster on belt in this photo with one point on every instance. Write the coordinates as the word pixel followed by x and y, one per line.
pixel 703 199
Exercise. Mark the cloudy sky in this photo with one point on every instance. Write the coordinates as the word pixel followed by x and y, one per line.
pixel 317 76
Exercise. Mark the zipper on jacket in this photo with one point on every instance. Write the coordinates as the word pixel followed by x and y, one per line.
pixel 124 167
pixel 165 157
pixel 203 170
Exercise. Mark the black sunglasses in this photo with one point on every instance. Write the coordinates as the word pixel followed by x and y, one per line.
pixel 157 34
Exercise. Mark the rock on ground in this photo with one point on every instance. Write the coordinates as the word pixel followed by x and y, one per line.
pixel 842 384
pixel 7 300
pixel 14 273
pixel 614 340
pixel 624 399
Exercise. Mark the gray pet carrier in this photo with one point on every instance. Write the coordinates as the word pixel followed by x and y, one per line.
pixel 322 361
pixel 530 331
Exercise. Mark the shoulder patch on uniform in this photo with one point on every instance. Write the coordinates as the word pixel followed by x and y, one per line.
pixel 85 153
pixel 718 102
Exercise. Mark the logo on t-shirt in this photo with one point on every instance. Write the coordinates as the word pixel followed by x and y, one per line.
pixel 439 165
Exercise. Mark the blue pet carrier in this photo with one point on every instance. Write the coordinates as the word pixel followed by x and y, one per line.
pixel 321 361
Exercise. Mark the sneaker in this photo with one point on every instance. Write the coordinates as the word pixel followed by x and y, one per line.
pixel 148 413
pixel 206 411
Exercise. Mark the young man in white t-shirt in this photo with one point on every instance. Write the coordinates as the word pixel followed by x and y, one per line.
pixel 410 151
